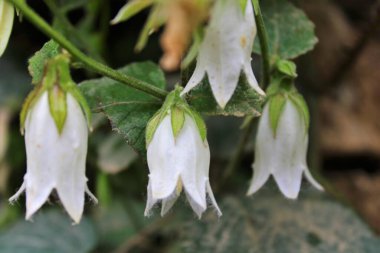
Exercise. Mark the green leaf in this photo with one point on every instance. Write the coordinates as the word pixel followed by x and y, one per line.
pixel 287 68
pixel 270 223
pixel 51 231
pixel 245 101
pixel 130 9
pixel 38 60
pixel 290 32
pixel 276 107
pixel 177 120
pixel 128 109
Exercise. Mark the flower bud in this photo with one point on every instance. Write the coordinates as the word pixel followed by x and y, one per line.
pixel 281 145
pixel 178 157
pixel 226 50
pixel 56 136
pixel 6 23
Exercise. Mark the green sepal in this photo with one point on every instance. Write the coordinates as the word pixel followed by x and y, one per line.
pixel 58 106
pixel 75 92
pixel 276 107
pixel 130 9
pixel 301 106
pixel 177 120
pixel 62 66
pixel 202 129
pixel 177 108
pixel 152 126
pixel 32 97
pixel 243 5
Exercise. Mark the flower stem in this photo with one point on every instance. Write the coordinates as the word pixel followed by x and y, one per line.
pixel 264 45
pixel 98 67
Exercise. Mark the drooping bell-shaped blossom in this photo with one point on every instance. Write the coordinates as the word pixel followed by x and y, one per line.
pixel 226 50
pixel 282 153
pixel 177 163
pixel 55 160
pixel 6 23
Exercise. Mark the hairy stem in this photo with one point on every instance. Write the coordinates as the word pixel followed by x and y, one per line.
pixel 88 62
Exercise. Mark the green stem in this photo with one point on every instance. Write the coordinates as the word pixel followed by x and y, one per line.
pixel 264 45
pixel 98 67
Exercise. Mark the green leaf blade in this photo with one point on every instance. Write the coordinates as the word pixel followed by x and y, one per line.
pixel 290 32
pixel 128 110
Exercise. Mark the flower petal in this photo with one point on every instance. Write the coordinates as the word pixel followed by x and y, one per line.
pixel 41 136
pixel 168 203
pixel 290 151
pixel 311 179
pixel 164 157
pixel 150 201
pixel 223 55
pixel 71 150
pixel 212 198
pixel 6 23
pixel 260 176
pixel 195 162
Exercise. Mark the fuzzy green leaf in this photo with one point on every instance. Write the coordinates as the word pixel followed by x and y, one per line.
pixel 38 60
pixel 276 107
pixel 287 68
pixel 128 109
pixel 290 31
pixel 245 101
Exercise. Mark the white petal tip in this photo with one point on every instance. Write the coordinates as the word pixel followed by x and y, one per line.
pixel 290 195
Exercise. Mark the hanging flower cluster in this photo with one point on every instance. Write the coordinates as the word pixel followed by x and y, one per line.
pixel 55 116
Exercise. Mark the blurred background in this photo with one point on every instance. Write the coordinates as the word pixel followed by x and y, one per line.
pixel 340 79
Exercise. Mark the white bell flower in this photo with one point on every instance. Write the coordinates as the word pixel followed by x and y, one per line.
pixel 176 163
pixel 6 23
pixel 55 161
pixel 226 50
pixel 284 154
